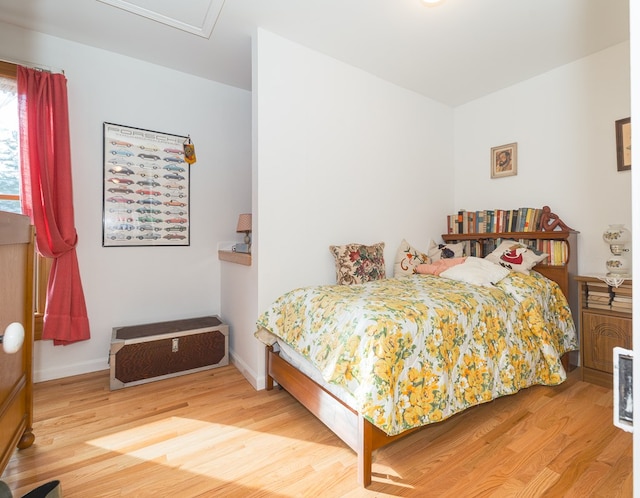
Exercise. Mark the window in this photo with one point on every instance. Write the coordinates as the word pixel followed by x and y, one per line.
pixel 10 178
pixel 9 158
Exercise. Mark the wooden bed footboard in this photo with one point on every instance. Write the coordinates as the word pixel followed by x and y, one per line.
pixel 358 433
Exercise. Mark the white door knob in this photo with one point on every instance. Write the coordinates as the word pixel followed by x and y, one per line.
pixel 13 338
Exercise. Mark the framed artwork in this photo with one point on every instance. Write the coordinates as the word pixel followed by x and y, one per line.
pixel 145 188
pixel 623 388
pixel 504 160
pixel 623 143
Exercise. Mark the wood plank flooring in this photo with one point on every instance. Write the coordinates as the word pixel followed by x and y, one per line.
pixel 211 434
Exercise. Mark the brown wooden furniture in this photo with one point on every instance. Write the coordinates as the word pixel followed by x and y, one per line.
pixel 601 329
pixel 155 351
pixel 16 305
pixel 358 433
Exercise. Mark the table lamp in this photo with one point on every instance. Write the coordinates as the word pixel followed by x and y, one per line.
pixel 619 238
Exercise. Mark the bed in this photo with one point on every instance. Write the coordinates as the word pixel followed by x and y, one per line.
pixel 379 360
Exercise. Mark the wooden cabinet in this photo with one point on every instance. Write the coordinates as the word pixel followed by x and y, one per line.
pixel 605 322
pixel 16 305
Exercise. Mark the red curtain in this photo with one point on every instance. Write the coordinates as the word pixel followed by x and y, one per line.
pixel 47 197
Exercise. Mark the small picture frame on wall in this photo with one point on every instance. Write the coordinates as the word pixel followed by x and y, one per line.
pixel 504 160
pixel 623 143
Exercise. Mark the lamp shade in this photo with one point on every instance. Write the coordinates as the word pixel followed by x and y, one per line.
pixel 616 234
pixel 244 223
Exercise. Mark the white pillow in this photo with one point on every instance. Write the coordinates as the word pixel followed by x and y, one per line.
pixel 476 271
pixel 515 256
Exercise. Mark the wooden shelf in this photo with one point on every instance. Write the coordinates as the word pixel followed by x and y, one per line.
pixel 239 258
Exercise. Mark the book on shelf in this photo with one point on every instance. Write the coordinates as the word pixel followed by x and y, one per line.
pixel 603 298
pixel 623 290
pixel 599 299
pixel 599 290
pixel 598 285
pixel 622 309
pixel 599 306
pixel 622 299
pixel 622 304
pixel 494 221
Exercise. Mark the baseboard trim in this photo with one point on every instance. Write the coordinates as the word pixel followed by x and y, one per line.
pixel 59 372
pixel 247 372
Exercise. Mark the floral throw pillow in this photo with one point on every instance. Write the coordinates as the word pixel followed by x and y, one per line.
pixel 407 259
pixel 357 263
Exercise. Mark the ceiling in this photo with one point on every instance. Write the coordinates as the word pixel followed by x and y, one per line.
pixel 453 53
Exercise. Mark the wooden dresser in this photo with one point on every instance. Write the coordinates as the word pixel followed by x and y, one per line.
pixel 16 305
pixel 605 322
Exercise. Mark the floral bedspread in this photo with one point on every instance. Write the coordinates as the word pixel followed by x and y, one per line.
pixel 417 350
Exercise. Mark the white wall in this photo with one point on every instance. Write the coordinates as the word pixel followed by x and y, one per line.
pixel 239 308
pixel 125 286
pixel 341 157
pixel 563 122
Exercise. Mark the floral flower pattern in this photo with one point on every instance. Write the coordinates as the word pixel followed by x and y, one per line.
pixel 418 349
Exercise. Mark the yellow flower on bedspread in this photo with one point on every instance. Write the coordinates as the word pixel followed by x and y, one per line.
pixel 417 350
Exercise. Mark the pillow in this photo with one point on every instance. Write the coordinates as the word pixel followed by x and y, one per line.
pixel 476 271
pixel 357 263
pixel 439 266
pixel 407 259
pixel 444 251
pixel 516 256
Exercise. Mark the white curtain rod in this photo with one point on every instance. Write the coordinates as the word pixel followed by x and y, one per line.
pixel 32 65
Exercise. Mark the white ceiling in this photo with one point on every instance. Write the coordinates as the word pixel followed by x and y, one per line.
pixel 453 53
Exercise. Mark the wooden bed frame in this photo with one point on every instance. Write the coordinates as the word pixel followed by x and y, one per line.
pixel 358 433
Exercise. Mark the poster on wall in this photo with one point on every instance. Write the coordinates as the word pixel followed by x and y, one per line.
pixel 146 188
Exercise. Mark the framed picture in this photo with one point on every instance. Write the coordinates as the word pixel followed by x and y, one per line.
pixel 145 188
pixel 504 160
pixel 623 388
pixel 623 143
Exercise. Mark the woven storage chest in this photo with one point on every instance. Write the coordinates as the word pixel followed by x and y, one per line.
pixel 155 351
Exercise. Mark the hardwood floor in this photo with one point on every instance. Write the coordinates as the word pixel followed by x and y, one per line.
pixel 211 434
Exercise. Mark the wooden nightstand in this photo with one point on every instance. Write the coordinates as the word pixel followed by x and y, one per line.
pixel 605 322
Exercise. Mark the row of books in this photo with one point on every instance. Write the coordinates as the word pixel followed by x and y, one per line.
pixel 495 221
pixel 621 300
pixel 602 296
pixel 558 250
